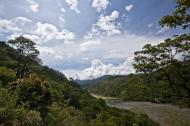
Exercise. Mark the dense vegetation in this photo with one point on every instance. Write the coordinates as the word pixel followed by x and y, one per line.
pixel 164 68
pixel 35 95
pixel 135 87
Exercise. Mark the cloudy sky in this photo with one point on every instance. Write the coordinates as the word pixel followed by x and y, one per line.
pixel 86 39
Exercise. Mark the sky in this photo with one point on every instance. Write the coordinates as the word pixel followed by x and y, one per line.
pixel 86 39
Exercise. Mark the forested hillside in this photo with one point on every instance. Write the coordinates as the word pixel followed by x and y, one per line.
pixel 162 70
pixel 136 88
pixel 84 83
pixel 34 95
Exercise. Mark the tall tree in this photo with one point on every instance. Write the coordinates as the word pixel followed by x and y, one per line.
pixel 170 60
pixel 27 54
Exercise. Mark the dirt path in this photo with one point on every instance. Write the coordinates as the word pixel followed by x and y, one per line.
pixel 166 115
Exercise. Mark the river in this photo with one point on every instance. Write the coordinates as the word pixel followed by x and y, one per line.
pixel 164 114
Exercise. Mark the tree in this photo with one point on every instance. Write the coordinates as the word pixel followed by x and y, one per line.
pixel 170 60
pixel 27 54
pixel 13 115
pixel 33 93
pixel 180 17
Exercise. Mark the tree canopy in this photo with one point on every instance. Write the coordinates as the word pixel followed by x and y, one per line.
pixel 170 60
pixel 27 54
pixel 180 17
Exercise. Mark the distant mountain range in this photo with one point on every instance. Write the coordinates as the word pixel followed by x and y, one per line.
pixel 84 83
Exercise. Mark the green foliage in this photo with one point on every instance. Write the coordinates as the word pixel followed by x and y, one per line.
pixel 170 61
pixel 13 115
pixel 49 74
pixel 6 75
pixel 33 93
pixel 47 97
pixel 7 56
pixel 180 17
pixel 27 54
pixel 64 116
pixel 138 87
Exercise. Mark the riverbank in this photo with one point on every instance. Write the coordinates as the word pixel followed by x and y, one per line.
pixel 164 114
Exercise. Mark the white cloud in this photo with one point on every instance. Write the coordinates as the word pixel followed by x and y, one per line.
pixel 73 5
pixel 128 8
pixel 63 10
pixel 6 26
pixel 38 32
pixel 31 37
pixel 54 55
pixel 33 6
pixel 107 24
pixel 51 53
pixel 13 25
pixel 21 20
pixel 71 73
pixel 98 68
pixel 113 49
pixel 100 5
pixel 89 45
pixel 48 32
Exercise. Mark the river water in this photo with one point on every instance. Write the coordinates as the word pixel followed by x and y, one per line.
pixel 164 114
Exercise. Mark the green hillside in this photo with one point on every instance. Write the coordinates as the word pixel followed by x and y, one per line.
pixel 136 87
pixel 35 95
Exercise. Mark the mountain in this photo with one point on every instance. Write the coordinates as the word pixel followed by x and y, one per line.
pixel 84 83
pixel 91 82
pixel 136 87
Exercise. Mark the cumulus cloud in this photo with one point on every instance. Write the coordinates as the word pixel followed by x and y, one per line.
pixel 13 25
pixel 112 49
pixel 98 68
pixel 48 32
pixel 107 24
pixel 89 45
pixel 73 5
pixel 100 5
pixel 6 26
pixel 128 8
pixel 33 6
pixel 38 32
pixel 51 53
pixel 34 38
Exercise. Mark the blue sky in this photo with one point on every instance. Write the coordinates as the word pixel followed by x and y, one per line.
pixel 86 39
